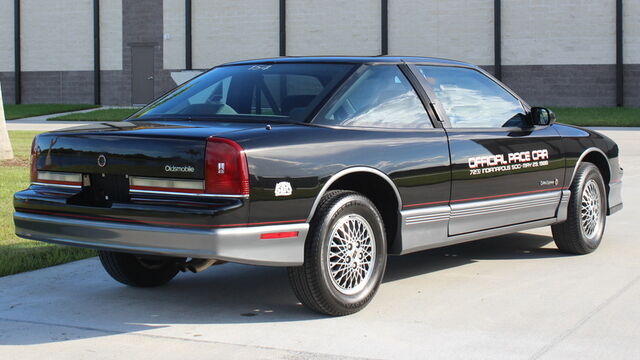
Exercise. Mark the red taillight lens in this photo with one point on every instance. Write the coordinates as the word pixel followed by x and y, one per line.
pixel 34 161
pixel 226 168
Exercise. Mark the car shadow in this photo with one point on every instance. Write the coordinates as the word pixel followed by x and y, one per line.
pixel 517 246
pixel 225 294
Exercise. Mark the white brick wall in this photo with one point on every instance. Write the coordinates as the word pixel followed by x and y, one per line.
pixel 558 32
pixel 456 29
pixel 57 35
pixel 173 22
pixel 333 27
pixel 224 31
pixel 631 31
pixel 6 35
pixel 110 35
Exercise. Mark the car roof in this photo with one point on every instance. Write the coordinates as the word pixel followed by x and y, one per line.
pixel 352 60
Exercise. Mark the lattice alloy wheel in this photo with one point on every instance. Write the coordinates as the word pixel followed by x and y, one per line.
pixel 345 255
pixel 581 232
pixel 590 211
pixel 351 254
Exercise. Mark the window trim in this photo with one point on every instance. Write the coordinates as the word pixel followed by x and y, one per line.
pixel 439 108
pixel 349 81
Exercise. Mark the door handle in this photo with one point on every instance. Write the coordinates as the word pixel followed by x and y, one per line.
pixel 150 77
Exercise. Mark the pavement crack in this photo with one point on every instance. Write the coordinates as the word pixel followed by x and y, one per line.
pixel 538 354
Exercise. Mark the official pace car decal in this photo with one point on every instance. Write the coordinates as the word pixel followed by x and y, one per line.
pixel 512 161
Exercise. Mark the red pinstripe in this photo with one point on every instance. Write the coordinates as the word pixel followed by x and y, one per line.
pixel 157 222
pixel 486 197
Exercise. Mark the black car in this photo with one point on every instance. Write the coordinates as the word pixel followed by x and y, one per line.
pixel 324 165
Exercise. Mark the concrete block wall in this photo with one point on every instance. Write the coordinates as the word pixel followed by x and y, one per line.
pixel 333 27
pixel 6 37
pixel 7 81
pixel 74 87
pixel 563 85
pixel 225 31
pixel 54 42
pixel 57 50
pixel 560 52
pixel 554 52
pixel 545 32
pixel 174 36
pixel 455 29
pixel 142 24
pixel 632 85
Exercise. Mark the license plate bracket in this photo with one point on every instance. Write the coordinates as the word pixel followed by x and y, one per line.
pixel 102 190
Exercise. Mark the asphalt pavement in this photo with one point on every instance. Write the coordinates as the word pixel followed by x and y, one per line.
pixel 512 297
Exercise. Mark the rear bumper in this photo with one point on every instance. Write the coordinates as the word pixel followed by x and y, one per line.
pixel 237 244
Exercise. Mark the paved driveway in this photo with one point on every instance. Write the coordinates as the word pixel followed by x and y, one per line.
pixel 510 297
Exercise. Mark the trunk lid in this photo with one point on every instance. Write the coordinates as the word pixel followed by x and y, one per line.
pixel 151 149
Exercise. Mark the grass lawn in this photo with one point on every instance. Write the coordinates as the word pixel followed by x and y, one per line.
pixel 98 115
pixel 598 116
pixel 16 254
pixel 12 112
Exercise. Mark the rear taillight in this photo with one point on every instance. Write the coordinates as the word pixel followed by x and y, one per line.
pixel 137 183
pixel 34 161
pixel 226 168
pixel 58 178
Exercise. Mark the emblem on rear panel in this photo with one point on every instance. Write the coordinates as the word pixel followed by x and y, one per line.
pixel 102 160
pixel 173 168
pixel 283 188
pixel 553 182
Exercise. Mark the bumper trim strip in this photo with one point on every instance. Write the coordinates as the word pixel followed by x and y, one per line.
pixel 142 222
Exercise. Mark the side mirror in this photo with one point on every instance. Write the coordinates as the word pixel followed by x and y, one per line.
pixel 542 116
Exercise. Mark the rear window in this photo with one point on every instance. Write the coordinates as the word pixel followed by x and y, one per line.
pixel 283 91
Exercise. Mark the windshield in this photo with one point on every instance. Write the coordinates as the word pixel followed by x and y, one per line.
pixel 286 92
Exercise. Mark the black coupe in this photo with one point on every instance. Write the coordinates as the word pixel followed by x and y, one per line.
pixel 324 165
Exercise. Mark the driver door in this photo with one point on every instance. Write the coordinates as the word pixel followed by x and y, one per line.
pixel 504 171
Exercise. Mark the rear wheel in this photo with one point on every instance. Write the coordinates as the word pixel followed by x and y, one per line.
pixel 138 271
pixel 582 232
pixel 345 255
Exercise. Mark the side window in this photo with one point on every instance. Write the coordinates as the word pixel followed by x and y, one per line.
pixel 380 97
pixel 471 99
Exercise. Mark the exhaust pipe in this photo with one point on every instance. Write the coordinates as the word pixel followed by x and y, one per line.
pixel 198 265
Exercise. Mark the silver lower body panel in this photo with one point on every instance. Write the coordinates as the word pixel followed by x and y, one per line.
pixel 489 214
pixel 438 226
pixel 238 244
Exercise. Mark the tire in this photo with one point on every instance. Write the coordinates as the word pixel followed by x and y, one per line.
pixel 138 271
pixel 325 282
pixel 582 232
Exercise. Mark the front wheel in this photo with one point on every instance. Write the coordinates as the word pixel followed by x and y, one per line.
pixel 345 255
pixel 582 232
pixel 138 271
